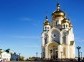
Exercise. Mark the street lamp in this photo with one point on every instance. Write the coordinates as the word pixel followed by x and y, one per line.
pixel 36 54
pixel 19 57
pixel 78 53
pixel 81 54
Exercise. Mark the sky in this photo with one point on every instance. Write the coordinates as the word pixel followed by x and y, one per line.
pixel 21 23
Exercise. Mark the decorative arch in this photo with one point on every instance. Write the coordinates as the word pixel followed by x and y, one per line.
pixel 52 50
pixel 55 29
pixel 55 35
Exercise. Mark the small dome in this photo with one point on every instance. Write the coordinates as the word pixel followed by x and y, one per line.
pixel 65 20
pixel 46 23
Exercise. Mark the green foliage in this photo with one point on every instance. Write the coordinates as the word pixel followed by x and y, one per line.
pixel 34 58
pixel 21 58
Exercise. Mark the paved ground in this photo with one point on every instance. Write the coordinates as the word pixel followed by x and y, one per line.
pixel 26 61
pixel 42 61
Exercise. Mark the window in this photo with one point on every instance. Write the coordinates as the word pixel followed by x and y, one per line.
pixel 64 39
pixel 71 42
pixel 56 23
pixel 66 25
pixel 46 38
pixel 46 28
pixel 63 26
pixel 64 51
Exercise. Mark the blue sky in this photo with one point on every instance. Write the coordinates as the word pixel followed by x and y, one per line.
pixel 21 23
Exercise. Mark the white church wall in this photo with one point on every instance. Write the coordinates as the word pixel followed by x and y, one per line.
pixel 64 36
pixel 60 51
pixel 6 56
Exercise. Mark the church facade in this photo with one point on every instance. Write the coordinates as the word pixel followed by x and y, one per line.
pixel 58 37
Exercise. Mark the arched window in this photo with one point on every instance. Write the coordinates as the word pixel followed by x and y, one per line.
pixel 64 51
pixel 55 35
pixel 56 23
pixel 66 26
pixel 46 28
pixel 63 26
pixel 46 38
pixel 64 39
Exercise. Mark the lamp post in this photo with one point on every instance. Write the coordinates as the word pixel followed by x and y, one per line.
pixel 19 56
pixel 81 54
pixel 78 53
pixel 36 54
pixel 41 55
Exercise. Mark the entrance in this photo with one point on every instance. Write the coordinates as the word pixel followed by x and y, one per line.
pixel 53 51
pixel 54 54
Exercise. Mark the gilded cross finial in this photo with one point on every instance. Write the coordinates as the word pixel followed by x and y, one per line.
pixel 58 6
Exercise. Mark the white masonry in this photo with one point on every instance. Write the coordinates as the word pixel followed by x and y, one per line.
pixel 58 37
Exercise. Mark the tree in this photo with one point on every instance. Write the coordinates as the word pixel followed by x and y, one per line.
pixel 7 50
pixel 21 58
pixel 0 51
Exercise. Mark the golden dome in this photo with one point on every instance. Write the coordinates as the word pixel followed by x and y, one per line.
pixel 58 12
pixel 46 21
pixel 65 20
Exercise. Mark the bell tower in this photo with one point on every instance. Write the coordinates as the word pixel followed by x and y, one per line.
pixel 46 25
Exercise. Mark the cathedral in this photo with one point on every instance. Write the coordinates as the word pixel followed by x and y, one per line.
pixel 58 37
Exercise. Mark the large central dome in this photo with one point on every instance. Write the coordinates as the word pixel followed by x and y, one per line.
pixel 58 12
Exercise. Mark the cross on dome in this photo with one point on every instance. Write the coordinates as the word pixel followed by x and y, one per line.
pixel 58 6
